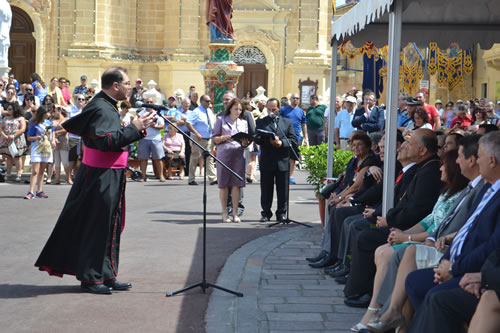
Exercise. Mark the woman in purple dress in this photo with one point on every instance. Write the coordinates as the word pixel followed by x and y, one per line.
pixel 230 152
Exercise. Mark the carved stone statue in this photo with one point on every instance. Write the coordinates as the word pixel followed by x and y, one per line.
pixel 5 22
pixel 219 14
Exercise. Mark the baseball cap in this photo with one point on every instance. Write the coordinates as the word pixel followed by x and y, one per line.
pixel 460 101
pixel 138 80
pixel 351 99
pixel 438 101
pixel 83 77
pixel 172 97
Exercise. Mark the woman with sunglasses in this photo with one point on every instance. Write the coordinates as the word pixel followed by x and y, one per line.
pixel 65 90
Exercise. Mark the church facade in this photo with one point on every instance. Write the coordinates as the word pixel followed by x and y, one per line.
pixel 280 43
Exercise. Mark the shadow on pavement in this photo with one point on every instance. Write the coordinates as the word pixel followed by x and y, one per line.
pixel 8 291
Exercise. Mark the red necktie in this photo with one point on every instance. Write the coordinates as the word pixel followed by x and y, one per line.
pixel 401 173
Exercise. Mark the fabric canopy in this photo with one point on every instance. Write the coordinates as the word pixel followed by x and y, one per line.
pixel 466 22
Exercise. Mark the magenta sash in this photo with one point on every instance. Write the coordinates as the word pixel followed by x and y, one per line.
pixel 100 159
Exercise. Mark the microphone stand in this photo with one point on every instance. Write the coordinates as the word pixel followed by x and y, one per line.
pixel 287 220
pixel 203 284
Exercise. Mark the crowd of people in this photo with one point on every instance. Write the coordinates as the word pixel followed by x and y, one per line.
pixel 411 268
pixel 429 263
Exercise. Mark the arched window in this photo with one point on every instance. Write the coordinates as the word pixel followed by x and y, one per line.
pixel 249 55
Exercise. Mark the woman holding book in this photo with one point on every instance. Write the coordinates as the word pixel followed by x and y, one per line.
pixel 230 152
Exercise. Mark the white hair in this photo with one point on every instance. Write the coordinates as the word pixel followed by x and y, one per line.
pixel 490 143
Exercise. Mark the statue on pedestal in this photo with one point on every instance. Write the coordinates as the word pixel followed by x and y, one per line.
pixel 219 14
pixel 5 22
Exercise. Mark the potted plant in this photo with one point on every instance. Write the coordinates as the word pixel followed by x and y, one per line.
pixel 316 162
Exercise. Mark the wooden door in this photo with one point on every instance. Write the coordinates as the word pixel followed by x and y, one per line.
pixel 22 51
pixel 254 76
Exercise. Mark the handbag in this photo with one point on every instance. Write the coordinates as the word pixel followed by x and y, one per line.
pixel 13 149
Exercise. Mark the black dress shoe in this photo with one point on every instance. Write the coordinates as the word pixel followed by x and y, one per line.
pixel 341 270
pixel 342 279
pixel 360 302
pixel 264 219
pixel 116 285
pixel 320 256
pixel 193 183
pixel 325 262
pixel 281 218
pixel 99 288
pixel 333 268
pixel 213 183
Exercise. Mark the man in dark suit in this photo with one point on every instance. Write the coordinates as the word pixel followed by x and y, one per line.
pixel 414 205
pixel 477 238
pixel 449 310
pixel 274 160
pixel 369 118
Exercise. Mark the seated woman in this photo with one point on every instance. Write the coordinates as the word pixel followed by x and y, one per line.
pixel 479 117
pixel 454 182
pixel 174 147
pixel 348 185
pixel 420 120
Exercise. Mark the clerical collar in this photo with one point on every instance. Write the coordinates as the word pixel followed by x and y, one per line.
pixel 406 168
pixel 114 99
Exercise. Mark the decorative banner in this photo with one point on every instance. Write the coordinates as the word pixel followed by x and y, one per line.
pixel 411 76
pixel 432 62
pixel 468 67
pixel 449 70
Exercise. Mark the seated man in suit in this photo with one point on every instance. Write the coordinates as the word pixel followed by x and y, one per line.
pixel 274 160
pixel 417 203
pixel 369 118
pixel 476 301
pixel 477 238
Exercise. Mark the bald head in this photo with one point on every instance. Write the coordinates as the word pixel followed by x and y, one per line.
pixel 422 145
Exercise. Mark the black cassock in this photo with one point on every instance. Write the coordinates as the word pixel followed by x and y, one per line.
pixel 86 239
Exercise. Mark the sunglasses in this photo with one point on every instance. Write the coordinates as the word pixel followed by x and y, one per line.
pixel 29 89
pixel 80 99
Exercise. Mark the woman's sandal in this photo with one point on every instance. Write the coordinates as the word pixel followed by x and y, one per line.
pixel 226 218
pixel 236 219
pixel 358 327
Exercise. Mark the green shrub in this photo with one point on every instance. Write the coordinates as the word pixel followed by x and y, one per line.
pixel 316 162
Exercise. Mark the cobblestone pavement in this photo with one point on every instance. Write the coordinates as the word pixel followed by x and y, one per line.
pixel 281 292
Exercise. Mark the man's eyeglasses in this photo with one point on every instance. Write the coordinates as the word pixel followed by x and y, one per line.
pixel 29 89
pixel 81 99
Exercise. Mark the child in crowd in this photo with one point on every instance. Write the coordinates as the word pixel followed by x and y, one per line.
pixel 39 134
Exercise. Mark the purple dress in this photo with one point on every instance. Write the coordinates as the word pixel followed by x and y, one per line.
pixel 230 152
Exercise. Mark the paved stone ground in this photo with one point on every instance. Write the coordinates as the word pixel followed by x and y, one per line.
pixel 281 292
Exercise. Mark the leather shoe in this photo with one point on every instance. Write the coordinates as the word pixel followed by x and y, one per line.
pixel 264 219
pixel 193 183
pixel 213 182
pixel 332 268
pixel 359 302
pixel 325 262
pixel 342 279
pixel 281 218
pixel 116 285
pixel 98 288
pixel 341 270
pixel 320 256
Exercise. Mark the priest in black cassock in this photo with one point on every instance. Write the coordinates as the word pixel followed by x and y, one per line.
pixel 86 239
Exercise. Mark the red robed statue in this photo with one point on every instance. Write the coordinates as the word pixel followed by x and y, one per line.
pixel 219 14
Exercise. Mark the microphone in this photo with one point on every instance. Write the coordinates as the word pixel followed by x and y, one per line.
pixel 274 118
pixel 151 106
